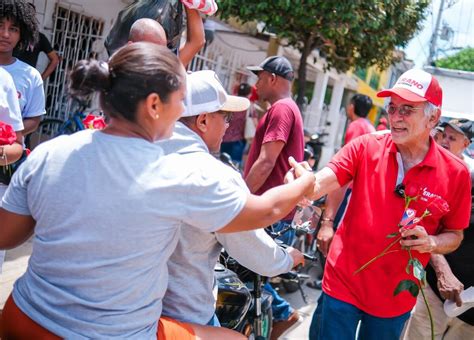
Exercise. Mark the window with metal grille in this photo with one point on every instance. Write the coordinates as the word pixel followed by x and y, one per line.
pixel 74 37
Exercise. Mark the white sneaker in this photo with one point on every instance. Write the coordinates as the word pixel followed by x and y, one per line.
pixel 467 298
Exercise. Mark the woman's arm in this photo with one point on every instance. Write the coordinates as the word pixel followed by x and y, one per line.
pixel 274 204
pixel 14 229
pixel 194 37
pixel 12 153
pixel 271 206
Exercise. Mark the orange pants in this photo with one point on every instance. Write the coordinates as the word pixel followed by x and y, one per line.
pixel 14 324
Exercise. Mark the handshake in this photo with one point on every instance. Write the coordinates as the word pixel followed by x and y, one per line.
pixel 298 170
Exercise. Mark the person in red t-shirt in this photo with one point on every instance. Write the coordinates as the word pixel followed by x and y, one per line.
pixel 279 135
pixel 382 124
pixel 357 112
pixel 380 167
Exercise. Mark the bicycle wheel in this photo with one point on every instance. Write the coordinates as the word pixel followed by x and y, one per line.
pixel 47 129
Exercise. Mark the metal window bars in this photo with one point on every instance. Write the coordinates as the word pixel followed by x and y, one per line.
pixel 74 35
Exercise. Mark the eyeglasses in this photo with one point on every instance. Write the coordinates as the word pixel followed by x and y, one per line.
pixel 227 116
pixel 403 110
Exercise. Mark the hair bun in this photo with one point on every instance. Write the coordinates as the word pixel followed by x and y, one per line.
pixel 89 76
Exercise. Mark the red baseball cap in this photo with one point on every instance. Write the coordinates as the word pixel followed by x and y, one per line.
pixel 416 85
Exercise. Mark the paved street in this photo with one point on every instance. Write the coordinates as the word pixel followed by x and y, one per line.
pixel 17 260
pixel 15 265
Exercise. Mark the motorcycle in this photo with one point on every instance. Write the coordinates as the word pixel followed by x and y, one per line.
pixel 314 148
pixel 243 307
pixel 242 304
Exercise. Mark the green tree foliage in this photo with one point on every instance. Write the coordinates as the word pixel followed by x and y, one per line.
pixel 463 60
pixel 356 33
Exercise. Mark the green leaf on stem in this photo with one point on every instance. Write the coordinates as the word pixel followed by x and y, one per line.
pixel 418 270
pixel 407 268
pixel 408 285
pixel 392 235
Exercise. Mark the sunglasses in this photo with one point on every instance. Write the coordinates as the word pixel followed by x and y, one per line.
pixel 403 110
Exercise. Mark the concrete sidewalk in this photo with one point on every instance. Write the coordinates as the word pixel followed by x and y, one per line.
pixel 16 261
pixel 300 330
pixel 14 266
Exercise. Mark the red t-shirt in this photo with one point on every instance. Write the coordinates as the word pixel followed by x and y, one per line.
pixel 282 122
pixel 374 211
pixel 358 127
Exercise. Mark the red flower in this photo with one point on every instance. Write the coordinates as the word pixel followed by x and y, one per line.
pixel 7 134
pixel 412 190
pixel 94 122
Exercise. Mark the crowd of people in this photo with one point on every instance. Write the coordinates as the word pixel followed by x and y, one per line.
pixel 127 248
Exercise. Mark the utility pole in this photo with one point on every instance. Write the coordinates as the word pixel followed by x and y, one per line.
pixel 434 36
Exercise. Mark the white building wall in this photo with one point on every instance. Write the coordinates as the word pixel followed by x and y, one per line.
pixel 105 10
pixel 458 91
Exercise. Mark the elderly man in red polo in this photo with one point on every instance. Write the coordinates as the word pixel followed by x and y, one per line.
pixel 382 167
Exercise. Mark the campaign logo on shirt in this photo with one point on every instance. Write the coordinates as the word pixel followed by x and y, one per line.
pixel 434 202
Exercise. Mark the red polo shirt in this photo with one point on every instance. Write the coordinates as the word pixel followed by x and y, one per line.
pixel 374 212
pixel 282 122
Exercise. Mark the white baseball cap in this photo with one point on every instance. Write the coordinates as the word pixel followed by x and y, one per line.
pixel 205 94
pixel 416 85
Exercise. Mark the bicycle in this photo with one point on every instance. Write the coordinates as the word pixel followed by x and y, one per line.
pixel 50 128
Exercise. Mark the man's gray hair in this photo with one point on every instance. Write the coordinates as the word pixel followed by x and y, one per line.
pixel 430 109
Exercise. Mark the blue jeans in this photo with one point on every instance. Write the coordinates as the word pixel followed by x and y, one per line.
pixel 335 319
pixel 214 321
pixel 234 149
pixel 281 309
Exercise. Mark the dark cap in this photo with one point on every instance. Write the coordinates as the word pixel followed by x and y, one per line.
pixel 463 126
pixel 278 65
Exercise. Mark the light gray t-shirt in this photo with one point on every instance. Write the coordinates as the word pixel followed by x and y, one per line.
pixel 108 211
pixel 190 295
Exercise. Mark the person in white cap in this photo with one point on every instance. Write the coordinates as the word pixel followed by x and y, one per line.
pixel 382 167
pixel 450 276
pixel 197 134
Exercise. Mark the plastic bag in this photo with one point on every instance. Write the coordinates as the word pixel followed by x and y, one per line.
pixel 208 7
pixel 169 14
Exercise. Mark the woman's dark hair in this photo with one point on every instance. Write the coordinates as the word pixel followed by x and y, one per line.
pixel 362 104
pixel 133 72
pixel 23 15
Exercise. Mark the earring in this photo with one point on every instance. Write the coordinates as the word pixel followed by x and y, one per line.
pixel 157 116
